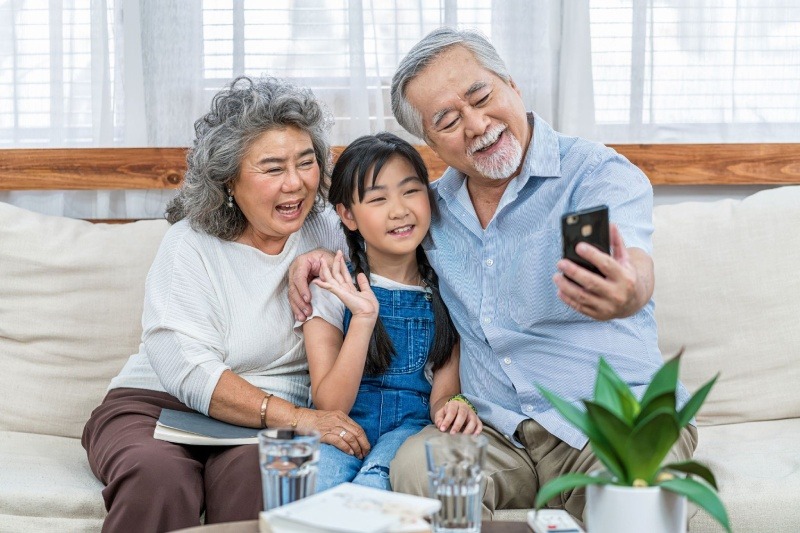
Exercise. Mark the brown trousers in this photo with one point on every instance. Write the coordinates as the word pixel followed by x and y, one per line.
pixel 153 485
pixel 514 475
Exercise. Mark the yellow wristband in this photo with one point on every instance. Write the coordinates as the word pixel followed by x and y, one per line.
pixel 463 399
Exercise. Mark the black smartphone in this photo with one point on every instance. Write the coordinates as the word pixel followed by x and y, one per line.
pixel 587 225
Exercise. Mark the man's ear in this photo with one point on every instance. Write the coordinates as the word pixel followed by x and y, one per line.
pixel 347 217
pixel 514 86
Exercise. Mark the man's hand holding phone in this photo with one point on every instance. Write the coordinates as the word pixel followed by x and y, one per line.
pixel 623 285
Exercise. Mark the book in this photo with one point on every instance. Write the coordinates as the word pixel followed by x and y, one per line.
pixel 351 508
pixel 184 427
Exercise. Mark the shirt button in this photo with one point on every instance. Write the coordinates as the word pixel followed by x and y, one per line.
pixel 507 437
pixel 507 360
pixel 487 320
pixel 529 408
pixel 489 262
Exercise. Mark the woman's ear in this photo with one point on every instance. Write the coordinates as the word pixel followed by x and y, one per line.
pixel 347 217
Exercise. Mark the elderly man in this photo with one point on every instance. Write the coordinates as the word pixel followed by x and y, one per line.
pixel 496 249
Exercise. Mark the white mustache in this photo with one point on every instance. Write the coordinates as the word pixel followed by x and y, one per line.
pixel 487 138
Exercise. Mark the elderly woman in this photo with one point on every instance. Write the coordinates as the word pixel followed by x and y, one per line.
pixel 218 335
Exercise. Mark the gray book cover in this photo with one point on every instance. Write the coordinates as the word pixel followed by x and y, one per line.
pixel 200 424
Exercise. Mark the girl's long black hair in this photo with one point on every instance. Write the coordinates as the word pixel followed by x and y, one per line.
pixel 357 168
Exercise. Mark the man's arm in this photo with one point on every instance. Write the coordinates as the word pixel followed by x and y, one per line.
pixel 627 286
pixel 302 270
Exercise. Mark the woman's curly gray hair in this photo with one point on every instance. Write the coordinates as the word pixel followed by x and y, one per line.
pixel 239 114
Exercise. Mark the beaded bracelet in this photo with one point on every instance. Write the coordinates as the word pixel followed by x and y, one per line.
pixel 463 399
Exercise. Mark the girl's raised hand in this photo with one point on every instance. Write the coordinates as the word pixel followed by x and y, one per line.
pixel 458 417
pixel 337 280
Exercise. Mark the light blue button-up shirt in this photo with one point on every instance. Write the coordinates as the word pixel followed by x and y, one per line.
pixel 497 283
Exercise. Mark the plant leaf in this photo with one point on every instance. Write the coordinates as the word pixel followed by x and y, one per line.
pixel 693 467
pixel 649 443
pixel 666 400
pixel 664 381
pixel 574 416
pixel 615 431
pixel 701 495
pixel 556 486
pixel 694 403
pixel 613 393
pixel 600 446
pixel 602 450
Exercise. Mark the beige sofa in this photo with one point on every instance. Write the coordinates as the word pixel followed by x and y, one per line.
pixel 728 289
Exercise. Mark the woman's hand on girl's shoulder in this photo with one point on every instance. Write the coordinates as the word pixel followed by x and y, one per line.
pixel 362 303
pixel 458 417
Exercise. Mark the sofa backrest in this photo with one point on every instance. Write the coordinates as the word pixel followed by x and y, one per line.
pixel 71 296
pixel 728 290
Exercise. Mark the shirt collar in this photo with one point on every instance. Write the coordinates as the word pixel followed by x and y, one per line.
pixel 542 160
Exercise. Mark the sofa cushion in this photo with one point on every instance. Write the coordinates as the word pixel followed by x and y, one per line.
pixel 71 301
pixel 46 485
pixel 757 467
pixel 728 290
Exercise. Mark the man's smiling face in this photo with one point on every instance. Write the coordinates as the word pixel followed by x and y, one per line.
pixel 473 119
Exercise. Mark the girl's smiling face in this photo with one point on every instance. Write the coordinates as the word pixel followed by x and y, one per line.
pixel 394 215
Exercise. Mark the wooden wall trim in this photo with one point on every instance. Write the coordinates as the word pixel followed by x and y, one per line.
pixel 716 164
pixel 159 168
pixel 91 168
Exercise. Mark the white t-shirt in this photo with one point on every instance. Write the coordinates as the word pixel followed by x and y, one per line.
pixel 213 305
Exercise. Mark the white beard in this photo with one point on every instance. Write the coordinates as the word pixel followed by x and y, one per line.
pixel 503 163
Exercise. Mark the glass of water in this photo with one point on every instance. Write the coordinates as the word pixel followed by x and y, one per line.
pixel 288 465
pixel 455 476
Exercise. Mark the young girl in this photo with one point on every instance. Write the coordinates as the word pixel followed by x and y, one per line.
pixel 372 349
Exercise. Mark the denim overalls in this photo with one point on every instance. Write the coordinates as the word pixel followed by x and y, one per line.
pixel 394 405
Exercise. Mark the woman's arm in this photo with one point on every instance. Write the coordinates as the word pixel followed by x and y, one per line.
pixel 447 414
pixel 184 341
pixel 336 364
pixel 238 402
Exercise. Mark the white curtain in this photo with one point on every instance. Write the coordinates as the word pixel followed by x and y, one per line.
pixel 139 72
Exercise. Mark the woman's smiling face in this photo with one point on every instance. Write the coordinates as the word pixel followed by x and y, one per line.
pixel 277 185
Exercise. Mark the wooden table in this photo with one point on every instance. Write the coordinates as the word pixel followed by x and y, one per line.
pixel 251 526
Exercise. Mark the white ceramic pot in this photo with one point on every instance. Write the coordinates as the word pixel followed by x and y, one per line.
pixel 612 509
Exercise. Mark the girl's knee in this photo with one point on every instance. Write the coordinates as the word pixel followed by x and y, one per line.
pixel 374 475
pixel 335 467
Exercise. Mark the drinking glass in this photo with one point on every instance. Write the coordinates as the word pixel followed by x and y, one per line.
pixel 288 465
pixel 455 476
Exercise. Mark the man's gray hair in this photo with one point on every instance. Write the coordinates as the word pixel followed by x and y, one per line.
pixel 423 53
pixel 240 113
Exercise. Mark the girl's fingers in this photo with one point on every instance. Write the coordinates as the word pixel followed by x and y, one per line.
pixel 363 283
pixel 438 417
pixel 336 270
pixel 344 274
pixel 325 272
pixel 450 413
pixel 461 418
pixel 474 425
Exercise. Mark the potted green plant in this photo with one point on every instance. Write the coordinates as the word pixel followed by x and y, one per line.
pixel 631 438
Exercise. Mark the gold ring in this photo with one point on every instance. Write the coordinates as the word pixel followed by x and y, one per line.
pixel 343 433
